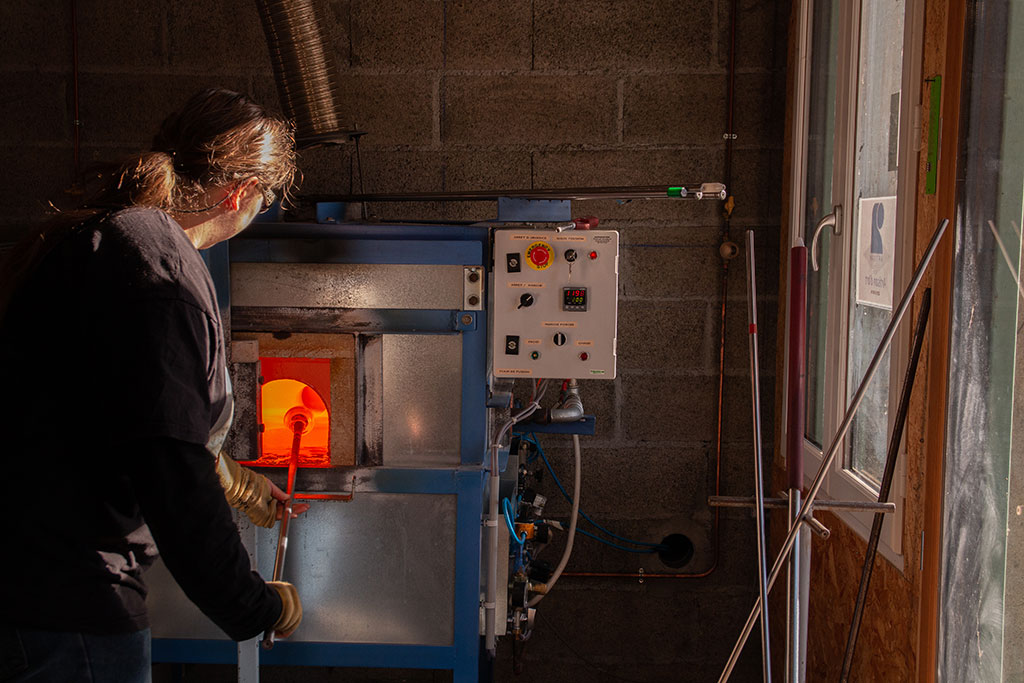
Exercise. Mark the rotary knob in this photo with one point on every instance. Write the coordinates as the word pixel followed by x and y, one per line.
pixel 559 339
pixel 525 301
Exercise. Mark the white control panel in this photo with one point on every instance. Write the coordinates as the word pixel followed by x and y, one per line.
pixel 555 303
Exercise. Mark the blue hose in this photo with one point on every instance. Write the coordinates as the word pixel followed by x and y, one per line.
pixel 532 438
pixel 506 510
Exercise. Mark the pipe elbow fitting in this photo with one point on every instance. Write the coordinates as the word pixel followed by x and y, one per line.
pixel 571 408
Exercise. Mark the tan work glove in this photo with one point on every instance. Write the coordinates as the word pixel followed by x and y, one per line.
pixel 291 608
pixel 247 491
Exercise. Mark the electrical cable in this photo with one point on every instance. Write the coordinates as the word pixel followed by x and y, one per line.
pixel 573 519
pixel 531 438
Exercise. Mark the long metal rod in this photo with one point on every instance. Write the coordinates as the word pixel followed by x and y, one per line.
pixel 795 383
pixel 755 398
pixel 749 502
pixel 690 191
pixel 826 462
pixel 886 485
pixel 298 426
pixel 793 606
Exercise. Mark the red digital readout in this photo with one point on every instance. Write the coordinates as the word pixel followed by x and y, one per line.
pixel 575 297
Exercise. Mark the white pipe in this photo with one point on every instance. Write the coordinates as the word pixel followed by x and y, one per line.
pixel 572 525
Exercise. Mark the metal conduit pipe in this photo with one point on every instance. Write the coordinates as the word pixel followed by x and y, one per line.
pixel 307 80
pixel 572 406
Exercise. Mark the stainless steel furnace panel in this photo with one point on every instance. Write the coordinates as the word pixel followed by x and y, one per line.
pixel 378 569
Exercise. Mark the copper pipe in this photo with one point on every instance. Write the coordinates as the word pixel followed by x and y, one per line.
pixel 76 123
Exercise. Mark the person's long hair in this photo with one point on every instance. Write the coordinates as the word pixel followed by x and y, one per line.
pixel 217 138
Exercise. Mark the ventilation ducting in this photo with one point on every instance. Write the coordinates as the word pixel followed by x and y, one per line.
pixel 307 80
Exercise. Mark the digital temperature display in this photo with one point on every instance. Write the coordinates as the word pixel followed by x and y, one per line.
pixel 574 298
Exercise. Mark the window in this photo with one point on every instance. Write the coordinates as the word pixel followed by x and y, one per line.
pixel 981 634
pixel 855 165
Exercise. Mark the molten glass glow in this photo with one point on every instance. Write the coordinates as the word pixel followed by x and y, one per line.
pixel 281 400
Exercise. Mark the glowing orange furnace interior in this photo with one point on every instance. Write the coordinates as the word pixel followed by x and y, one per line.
pixel 294 386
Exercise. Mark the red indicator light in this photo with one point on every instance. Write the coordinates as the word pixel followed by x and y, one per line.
pixel 593 255
pixel 584 356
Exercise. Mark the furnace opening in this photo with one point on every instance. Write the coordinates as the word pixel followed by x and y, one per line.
pixel 280 401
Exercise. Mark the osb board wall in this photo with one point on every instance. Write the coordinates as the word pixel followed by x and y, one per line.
pixel 886 643
pixel 888 646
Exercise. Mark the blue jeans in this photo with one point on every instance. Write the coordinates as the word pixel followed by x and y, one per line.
pixel 31 656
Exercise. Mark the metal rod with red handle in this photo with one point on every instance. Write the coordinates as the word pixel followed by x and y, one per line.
pixel 298 420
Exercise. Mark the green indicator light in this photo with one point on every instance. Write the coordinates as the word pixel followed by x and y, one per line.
pixel 676 191
pixel 535 355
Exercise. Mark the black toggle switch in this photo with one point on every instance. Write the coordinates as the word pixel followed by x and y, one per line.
pixel 512 344
pixel 512 262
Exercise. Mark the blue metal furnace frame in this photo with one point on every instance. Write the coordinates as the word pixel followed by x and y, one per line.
pixel 388 244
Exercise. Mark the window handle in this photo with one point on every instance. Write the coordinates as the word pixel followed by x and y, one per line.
pixel 835 220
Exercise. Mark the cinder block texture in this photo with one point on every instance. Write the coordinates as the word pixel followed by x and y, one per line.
pixel 529 110
pixel 36 34
pixel 657 271
pixel 397 34
pixel 195 36
pixel 394 109
pixel 664 333
pixel 669 408
pixel 609 34
pixel 119 34
pixel 128 110
pixel 489 34
pixel 36 109
pixel 683 109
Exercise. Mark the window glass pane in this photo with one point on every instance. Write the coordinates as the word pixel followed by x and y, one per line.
pixel 818 202
pixel 982 621
pixel 872 227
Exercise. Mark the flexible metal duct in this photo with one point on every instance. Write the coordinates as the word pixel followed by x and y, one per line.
pixel 307 81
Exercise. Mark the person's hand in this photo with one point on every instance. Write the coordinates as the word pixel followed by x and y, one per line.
pixel 282 498
pixel 291 609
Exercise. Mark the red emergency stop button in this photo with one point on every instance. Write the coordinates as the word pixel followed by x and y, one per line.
pixel 538 255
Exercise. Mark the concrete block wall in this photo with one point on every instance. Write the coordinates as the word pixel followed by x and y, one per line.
pixel 488 94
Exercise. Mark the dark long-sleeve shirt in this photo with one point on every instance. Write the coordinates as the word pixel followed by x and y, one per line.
pixel 112 376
